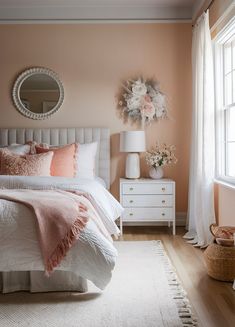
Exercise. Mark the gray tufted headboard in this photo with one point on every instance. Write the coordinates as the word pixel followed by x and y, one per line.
pixel 62 136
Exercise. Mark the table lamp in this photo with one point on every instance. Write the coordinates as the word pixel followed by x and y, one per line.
pixel 132 142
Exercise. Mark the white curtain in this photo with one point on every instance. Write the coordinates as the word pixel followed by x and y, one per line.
pixel 201 195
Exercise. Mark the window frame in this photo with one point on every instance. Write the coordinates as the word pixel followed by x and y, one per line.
pixel 223 110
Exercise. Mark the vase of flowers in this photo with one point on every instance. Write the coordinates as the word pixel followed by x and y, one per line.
pixel 158 157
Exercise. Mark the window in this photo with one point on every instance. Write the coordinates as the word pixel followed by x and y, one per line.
pixel 224 46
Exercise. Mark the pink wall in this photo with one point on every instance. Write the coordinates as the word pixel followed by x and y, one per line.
pixel 91 60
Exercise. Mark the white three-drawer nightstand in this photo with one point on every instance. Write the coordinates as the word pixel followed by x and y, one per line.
pixel 147 200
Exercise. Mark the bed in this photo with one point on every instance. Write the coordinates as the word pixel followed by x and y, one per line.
pixel 92 257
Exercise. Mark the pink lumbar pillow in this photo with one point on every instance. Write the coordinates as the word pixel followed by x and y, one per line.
pixel 27 165
pixel 63 162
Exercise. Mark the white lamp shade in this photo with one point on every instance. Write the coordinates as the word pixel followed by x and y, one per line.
pixel 132 141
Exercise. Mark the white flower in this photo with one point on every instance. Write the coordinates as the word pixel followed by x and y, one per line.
pixel 133 103
pixel 139 88
pixel 159 101
pixel 159 113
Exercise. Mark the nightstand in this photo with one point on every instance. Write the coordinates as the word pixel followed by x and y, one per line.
pixel 147 200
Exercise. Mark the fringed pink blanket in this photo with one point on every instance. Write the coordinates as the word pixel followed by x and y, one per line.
pixel 60 217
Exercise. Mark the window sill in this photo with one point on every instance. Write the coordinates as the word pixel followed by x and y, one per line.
pixel 225 183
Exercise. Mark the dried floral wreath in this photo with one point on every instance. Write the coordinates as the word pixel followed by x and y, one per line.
pixel 142 100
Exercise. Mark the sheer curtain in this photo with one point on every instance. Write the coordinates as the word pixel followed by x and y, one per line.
pixel 201 195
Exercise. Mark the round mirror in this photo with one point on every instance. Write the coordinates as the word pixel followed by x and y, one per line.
pixel 38 93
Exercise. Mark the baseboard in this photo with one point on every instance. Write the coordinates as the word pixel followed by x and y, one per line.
pixel 180 218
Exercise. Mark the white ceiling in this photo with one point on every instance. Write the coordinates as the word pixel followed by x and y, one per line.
pixel 98 9
pixel 183 3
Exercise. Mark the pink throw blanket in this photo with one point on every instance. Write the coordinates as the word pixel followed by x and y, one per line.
pixel 60 217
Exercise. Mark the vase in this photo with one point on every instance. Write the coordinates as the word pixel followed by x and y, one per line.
pixel 156 173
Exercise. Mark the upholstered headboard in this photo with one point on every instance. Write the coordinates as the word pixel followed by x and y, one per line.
pixel 62 136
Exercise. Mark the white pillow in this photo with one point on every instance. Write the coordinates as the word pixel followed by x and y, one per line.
pixel 86 160
pixel 20 149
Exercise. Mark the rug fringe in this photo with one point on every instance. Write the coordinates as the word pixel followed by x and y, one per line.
pixel 178 293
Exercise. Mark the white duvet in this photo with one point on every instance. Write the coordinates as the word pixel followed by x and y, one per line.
pixel 92 257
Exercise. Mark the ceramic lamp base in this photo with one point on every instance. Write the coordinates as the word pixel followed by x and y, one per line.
pixel 133 165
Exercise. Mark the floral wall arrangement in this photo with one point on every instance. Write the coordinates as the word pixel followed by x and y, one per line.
pixel 142 100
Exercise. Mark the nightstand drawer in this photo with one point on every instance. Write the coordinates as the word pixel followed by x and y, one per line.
pixel 147 214
pixel 150 200
pixel 147 188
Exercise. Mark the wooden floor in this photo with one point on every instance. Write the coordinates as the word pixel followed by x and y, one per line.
pixel 212 301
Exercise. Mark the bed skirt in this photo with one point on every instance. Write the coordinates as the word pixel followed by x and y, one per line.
pixel 36 281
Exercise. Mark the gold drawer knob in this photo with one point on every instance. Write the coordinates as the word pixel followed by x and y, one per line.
pixel 163 189
pixel 131 189
pixel 163 201
pixel 131 214
pixel 131 201
pixel 163 214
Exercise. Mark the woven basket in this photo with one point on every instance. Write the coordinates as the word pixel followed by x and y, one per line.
pixel 220 261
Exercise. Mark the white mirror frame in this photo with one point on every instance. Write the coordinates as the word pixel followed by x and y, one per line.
pixel 16 93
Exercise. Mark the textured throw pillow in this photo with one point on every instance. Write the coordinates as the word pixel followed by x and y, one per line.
pixel 63 162
pixel 86 160
pixel 28 165
pixel 20 149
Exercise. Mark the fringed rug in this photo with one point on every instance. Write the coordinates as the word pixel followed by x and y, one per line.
pixel 144 292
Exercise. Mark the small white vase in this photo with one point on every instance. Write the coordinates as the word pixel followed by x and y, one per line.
pixel 156 173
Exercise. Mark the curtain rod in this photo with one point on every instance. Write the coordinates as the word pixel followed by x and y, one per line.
pixel 210 4
pixel 205 10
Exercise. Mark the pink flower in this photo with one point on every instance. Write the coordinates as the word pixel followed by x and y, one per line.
pixel 147 98
pixel 147 108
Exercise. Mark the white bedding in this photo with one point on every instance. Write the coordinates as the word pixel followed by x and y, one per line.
pixel 92 257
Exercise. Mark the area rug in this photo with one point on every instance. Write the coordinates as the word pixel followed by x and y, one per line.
pixel 144 292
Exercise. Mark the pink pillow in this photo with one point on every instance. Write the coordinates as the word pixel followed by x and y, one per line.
pixel 28 165
pixel 63 162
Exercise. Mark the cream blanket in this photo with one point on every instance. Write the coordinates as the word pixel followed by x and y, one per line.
pixel 60 217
